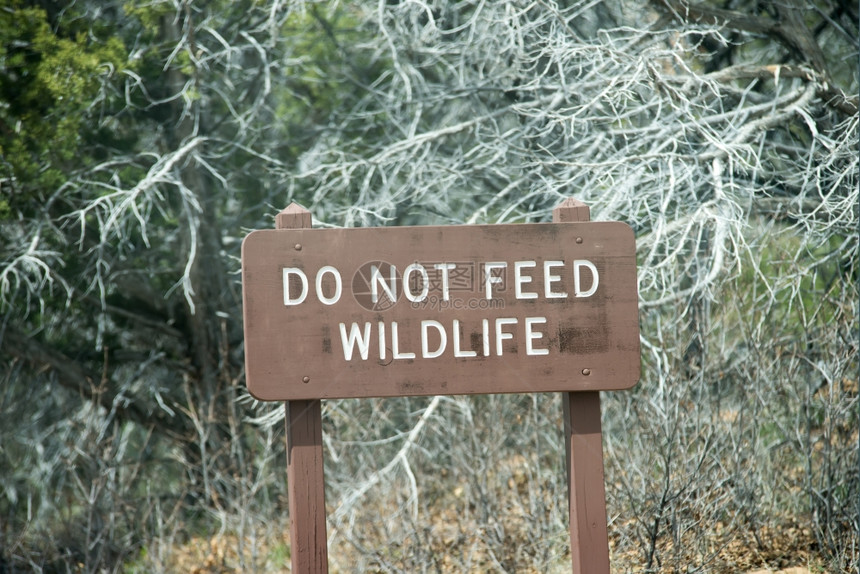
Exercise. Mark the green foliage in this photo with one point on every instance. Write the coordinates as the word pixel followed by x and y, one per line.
pixel 149 14
pixel 322 74
pixel 279 555
pixel 52 82
pixel 141 139
pixel 786 286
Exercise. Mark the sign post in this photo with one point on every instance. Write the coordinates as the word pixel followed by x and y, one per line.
pixel 305 478
pixel 418 311
pixel 583 438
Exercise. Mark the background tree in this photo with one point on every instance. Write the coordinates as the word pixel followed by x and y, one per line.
pixel 133 134
pixel 141 140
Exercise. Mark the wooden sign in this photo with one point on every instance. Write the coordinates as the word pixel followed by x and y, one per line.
pixel 441 310
pixel 383 312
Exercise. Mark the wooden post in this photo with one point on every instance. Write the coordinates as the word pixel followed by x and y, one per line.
pixel 589 540
pixel 305 478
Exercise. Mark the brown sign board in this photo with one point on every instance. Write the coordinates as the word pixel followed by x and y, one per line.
pixel 382 312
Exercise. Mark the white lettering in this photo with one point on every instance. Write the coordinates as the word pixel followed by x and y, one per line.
pixel 532 335
pixel 444 268
pixel 338 285
pixel 395 344
pixel 426 353
pixel 489 278
pixel 349 341
pixel 355 340
pixel 578 264
pixel 304 279
pixel 519 279
pixel 426 281
pixel 549 279
pixel 501 335
pixel 376 281
pixel 457 351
